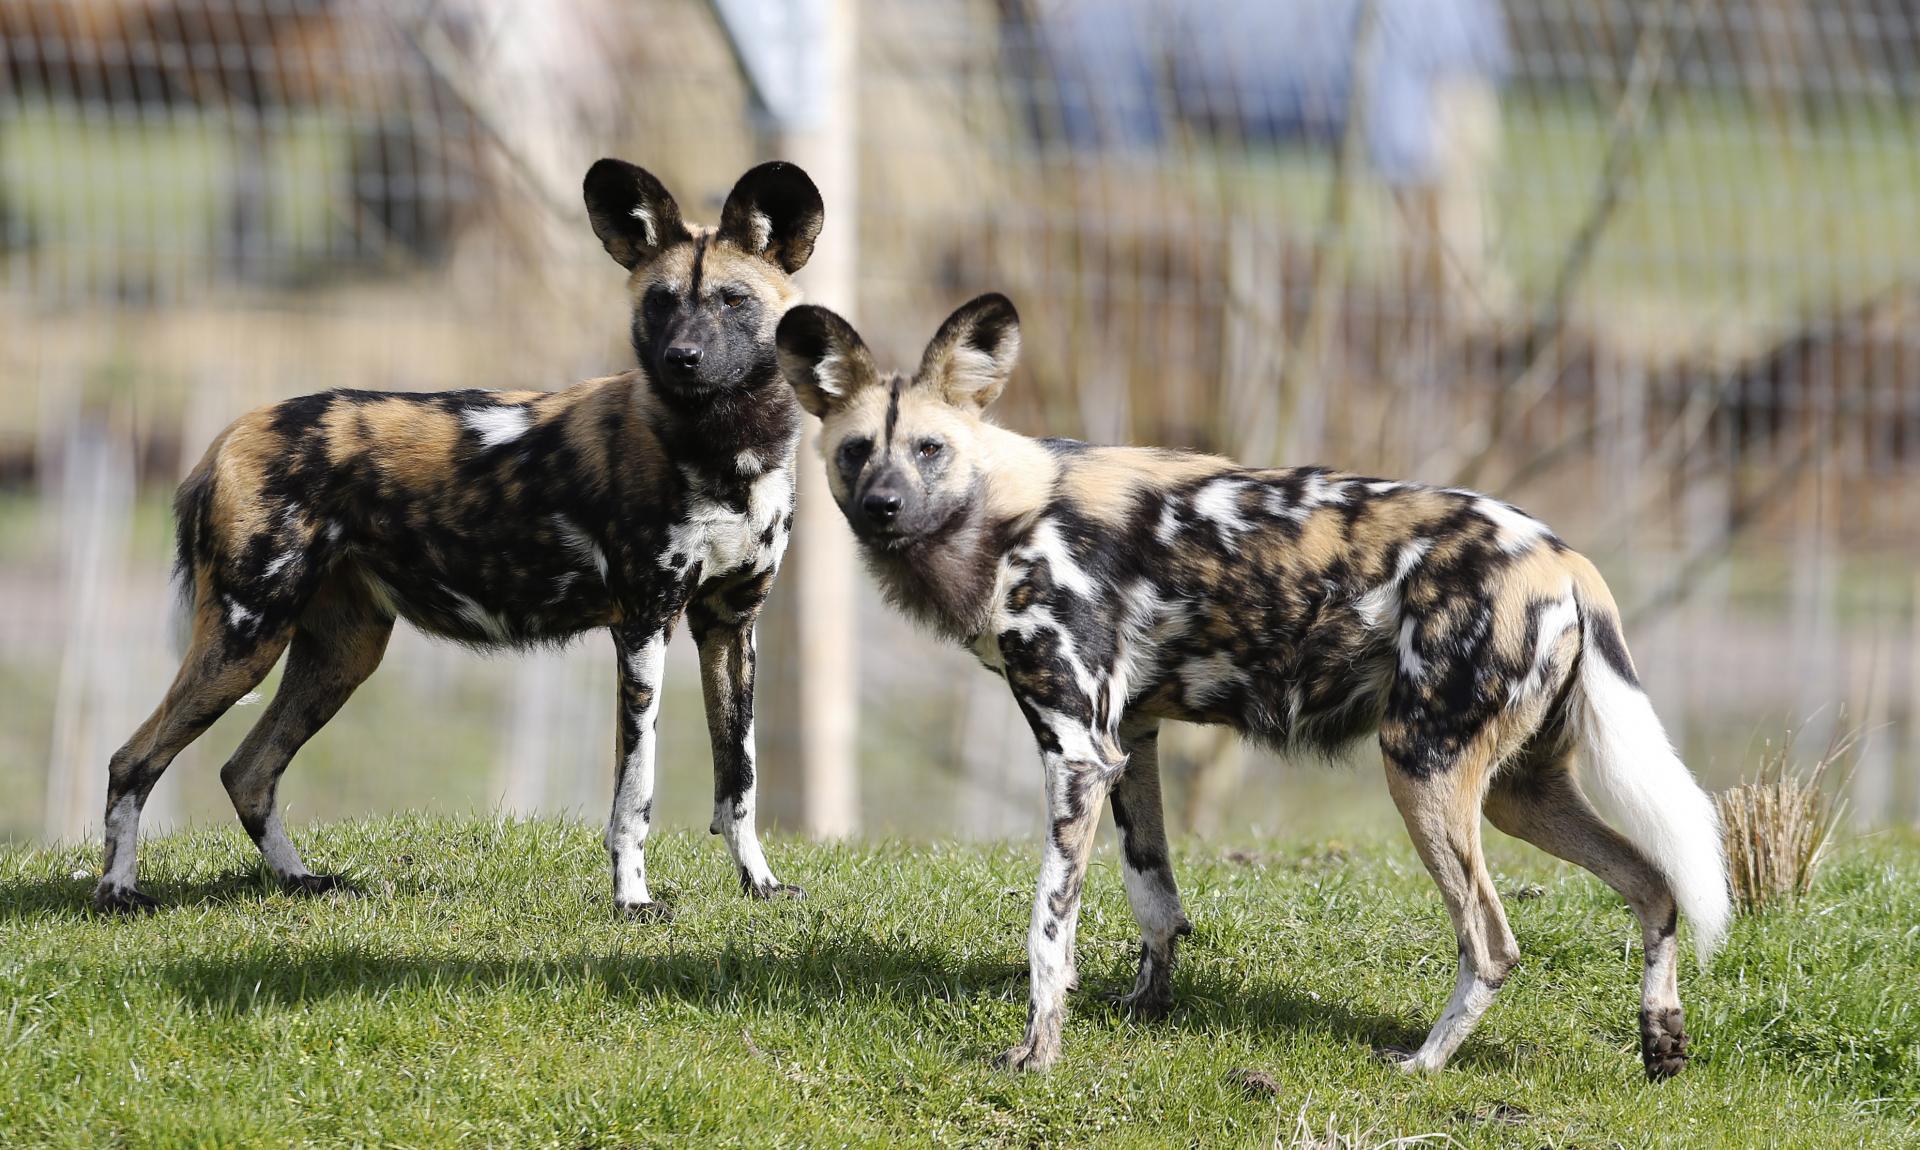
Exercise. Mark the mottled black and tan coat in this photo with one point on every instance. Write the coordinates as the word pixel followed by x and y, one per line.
pixel 510 519
pixel 1117 587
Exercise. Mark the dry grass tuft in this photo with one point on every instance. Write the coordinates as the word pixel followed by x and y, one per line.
pixel 1778 826
pixel 1306 1136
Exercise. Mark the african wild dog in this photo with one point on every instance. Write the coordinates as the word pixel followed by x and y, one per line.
pixel 510 519
pixel 1115 587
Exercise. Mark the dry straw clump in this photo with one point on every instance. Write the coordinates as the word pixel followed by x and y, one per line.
pixel 1778 826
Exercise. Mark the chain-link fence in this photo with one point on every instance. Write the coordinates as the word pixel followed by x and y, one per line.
pixel 1651 270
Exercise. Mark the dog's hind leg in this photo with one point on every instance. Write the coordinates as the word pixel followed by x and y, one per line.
pixel 339 640
pixel 1147 869
pixel 223 662
pixel 1543 804
pixel 1439 795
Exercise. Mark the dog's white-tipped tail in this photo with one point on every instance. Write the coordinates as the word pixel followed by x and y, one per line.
pixel 1641 786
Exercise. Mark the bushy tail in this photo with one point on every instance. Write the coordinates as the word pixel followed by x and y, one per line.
pixel 1641 786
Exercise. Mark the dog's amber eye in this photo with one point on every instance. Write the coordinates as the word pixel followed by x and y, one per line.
pixel 930 448
pixel 733 298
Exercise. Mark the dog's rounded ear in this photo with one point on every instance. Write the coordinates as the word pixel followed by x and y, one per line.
pixel 973 353
pixel 774 212
pixel 822 358
pixel 633 214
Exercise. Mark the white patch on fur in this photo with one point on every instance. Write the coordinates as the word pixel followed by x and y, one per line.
pixel 1471 997
pixel 628 828
pixel 498 424
pixel 238 616
pixel 1147 622
pixel 123 834
pixel 829 377
pixel 748 463
pixel 486 622
pixel 384 596
pixel 1553 623
pixel 1219 502
pixel 1317 490
pixel 282 858
pixel 584 546
pixel 986 648
pixel 1631 771
pixel 1410 662
pixel 1046 542
pixel 720 540
pixel 970 370
pixel 645 217
pixel 759 232
pixel 1168 528
pixel 1515 530
pixel 279 563
pixel 1385 487
pixel 1206 678
pixel 1383 602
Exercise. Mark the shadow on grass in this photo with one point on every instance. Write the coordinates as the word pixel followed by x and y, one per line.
pixel 67 897
pixel 815 978
pixel 809 975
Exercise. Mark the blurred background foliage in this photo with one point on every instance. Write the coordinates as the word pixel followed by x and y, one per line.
pixel 1651 270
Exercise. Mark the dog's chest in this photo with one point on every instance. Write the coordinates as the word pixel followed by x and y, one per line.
pixel 720 535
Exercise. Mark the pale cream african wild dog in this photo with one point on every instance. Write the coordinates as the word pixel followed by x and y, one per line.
pixel 510 519
pixel 1116 587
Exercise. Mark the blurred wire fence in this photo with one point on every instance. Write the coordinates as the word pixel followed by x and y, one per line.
pixel 1651 270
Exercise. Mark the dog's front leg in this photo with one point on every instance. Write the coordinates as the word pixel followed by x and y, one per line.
pixel 724 632
pixel 1079 767
pixel 642 651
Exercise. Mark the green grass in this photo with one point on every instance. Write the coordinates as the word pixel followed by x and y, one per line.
pixel 480 992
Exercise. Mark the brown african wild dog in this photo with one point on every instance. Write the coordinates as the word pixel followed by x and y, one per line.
pixel 510 519
pixel 1114 587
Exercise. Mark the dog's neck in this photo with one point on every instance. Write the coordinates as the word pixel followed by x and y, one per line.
pixel 727 436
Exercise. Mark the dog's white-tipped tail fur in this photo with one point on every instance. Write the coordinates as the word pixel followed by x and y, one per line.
pixel 1641 786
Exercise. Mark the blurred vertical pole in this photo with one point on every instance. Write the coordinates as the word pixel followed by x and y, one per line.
pixel 95 511
pixel 1913 709
pixel 799 57
pixel 823 566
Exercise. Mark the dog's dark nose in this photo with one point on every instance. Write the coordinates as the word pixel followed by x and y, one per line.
pixel 681 357
pixel 881 506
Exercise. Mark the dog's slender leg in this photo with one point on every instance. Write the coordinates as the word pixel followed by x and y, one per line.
pixel 642 664
pixel 1079 767
pixel 338 642
pixel 1147 869
pixel 724 631
pixel 218 669
pixel 1545 807
pixel 1441 807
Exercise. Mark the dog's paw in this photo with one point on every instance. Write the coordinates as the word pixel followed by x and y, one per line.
pixel 1401 1058
pixel 772 891
pixel 314 884
pixel 644 911
pixel 1663 1043
pixel 123 900
pixel 1028 1056
pixel 1148 1004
